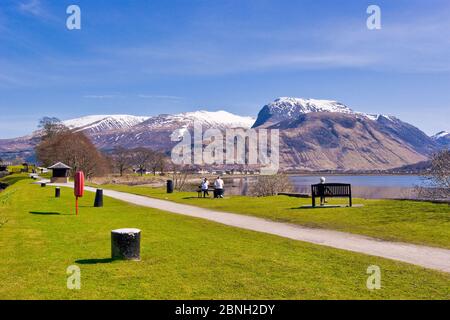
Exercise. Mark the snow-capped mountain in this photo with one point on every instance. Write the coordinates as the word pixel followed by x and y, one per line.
pixel 179 123
pixel 111 130
pixel 285 108
pixel 163 130
pixel 442 138
pixel 218 119
pixel 107 131
pixel 97 123
pixel 326 134
pixel 293 106
pixel 314 134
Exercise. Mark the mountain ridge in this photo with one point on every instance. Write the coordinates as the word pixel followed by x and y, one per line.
pixel 314 134
pixel 284 108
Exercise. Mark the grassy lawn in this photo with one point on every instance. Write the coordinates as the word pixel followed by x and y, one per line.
pixel 182 257
pixel 11 179
pixel 409 221
pixel 15 169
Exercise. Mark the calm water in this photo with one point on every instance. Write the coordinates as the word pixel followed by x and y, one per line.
pixel 370 186
pixel 404 181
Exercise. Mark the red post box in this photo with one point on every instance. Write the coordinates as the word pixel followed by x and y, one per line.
pixel 78 187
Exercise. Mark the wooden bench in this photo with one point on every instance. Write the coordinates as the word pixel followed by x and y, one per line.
pixel 213 190
pixel 200 191
pixel 331 190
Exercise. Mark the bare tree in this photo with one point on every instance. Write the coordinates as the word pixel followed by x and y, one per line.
pixel 141 158
pixel 180 175
pixel 158 162
pixel 271 185
pixel 51 126
pixel 122 159
pixel 75 150
pixel 437 178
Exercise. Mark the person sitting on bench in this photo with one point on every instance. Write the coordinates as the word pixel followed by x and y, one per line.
pixel 218 188
pixel 330 190
pixel 204 187
pixel 322 198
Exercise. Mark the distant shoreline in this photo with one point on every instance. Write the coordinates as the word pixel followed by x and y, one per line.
pixel 353 174
pixel 314 174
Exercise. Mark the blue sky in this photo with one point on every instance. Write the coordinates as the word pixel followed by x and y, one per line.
pixel 166 56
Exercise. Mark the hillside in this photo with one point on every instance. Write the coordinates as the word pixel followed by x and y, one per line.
pixel 315 134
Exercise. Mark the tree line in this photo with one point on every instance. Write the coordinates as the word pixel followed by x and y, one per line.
pixel 75 149
pixel 141 159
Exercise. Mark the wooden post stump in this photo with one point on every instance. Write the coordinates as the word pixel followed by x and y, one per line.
pixel 57 192
pixel 126 244
pixel 43 184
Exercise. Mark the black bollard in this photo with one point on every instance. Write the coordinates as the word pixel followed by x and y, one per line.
pixel 98 198
pixel 57 192
pixel 126 244
pixel 169 186
pixel 43 184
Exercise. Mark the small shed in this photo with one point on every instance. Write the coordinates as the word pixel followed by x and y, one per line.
pixel 60 173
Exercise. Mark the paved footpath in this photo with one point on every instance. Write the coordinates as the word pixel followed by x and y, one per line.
pixel 428 257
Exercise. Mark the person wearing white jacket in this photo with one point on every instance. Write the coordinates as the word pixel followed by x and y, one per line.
pixel 218 188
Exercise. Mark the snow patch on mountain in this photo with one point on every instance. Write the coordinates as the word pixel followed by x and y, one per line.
pixel 221 118
pixel 217 119
pixel 440 135
pixel 104 122
pixel 295 106
pixel 178 134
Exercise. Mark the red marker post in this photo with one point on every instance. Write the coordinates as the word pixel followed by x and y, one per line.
pixel 78 187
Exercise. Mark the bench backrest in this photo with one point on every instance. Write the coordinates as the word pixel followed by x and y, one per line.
pixel 331 189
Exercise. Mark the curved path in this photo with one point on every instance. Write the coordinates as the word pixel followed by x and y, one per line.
pixel 428 257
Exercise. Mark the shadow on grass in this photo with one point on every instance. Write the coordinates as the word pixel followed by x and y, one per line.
pixel 309 208
pixel 189 198
pixel 94 261
pixel 337 206
pixel 44 213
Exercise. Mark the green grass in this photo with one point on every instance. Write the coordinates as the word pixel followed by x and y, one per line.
pixel 15 169
pixel 11 179
pixel 182 257
pixel 409 221
pixel 18 168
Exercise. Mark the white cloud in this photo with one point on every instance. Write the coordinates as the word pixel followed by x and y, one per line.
pixel 104 96
pixel 403 45
pixel 36 9
pixel 151 96
pixel 33 7
pixel 419 46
